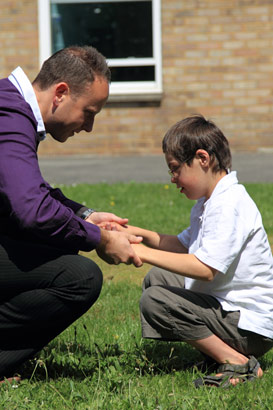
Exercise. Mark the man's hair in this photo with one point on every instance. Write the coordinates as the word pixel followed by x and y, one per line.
pixel 74 65
pixel 185 137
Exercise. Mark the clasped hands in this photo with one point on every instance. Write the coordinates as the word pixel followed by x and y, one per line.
pixel 117 243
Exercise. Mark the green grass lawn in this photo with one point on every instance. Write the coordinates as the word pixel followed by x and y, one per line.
pixel 101 361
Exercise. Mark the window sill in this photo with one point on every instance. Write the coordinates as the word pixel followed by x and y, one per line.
pixel 135 97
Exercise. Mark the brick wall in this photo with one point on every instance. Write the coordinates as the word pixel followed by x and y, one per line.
pixel 217 60
pixel 18 36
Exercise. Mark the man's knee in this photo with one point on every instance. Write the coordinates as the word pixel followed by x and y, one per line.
pixel 80 282
pixel 91 277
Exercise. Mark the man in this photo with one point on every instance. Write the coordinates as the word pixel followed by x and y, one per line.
pixel 44 284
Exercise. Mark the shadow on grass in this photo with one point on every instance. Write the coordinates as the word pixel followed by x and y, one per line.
pixel 72 360
pixel 170 356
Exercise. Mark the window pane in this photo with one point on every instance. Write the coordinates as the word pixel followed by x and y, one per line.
pixel 132 73
pixel 116 29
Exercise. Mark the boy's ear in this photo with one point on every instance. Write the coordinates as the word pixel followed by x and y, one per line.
pixel 203 156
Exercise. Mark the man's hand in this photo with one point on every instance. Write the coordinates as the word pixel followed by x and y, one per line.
pixel 115 247
pixel 103 217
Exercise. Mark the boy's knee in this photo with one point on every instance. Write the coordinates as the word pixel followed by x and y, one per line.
pixel 161 277
pixel 150 300
pixel 155 277
pixel 154 308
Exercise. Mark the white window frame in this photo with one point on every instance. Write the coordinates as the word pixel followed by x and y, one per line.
pixel 119 91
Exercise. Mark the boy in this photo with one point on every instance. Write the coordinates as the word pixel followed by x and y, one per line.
pixel 225 309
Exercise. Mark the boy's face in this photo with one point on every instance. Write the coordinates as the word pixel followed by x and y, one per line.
pixel 193 180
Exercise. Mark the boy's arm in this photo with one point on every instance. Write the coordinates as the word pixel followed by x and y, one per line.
pixel 155 240
pixel 183 264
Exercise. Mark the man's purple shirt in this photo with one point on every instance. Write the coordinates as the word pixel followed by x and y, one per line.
pixel 30 209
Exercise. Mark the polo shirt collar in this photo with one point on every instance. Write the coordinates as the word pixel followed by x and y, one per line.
pixel 224 184
pixel 24 86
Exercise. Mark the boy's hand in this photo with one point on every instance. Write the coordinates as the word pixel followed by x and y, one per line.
pixel 112 226
pixel 142 251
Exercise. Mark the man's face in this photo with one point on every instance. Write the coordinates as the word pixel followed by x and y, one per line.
pixel 72 114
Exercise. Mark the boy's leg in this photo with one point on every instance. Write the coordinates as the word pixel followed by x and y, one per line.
pixel 158 277
pixel 42 291
pixel 171 313
pixel 161 277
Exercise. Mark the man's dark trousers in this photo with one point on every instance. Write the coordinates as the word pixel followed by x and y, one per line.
pixel 42 291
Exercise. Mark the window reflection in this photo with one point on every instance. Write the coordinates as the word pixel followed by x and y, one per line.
pixel 116 29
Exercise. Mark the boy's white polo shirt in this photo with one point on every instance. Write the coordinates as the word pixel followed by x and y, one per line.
pixel 227 233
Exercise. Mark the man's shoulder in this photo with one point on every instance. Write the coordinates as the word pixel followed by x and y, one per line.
pixel 12 101
pixel 7 87
pixel 9 93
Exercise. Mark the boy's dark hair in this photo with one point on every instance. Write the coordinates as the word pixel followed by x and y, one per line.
pixel 185 137
pixel 74 65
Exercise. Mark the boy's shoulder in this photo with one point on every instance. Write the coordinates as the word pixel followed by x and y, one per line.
pixel 229 189
pixel 236 200
pixel 228 198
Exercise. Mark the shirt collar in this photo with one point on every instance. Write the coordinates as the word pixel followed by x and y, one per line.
pixel 224 184
pixel 24 86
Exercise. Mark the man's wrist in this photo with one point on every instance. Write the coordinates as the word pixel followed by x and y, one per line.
pixel 87 213
pixel 104 239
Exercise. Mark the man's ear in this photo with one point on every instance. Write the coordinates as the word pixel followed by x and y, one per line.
pixel 61 90
pixel 203 156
